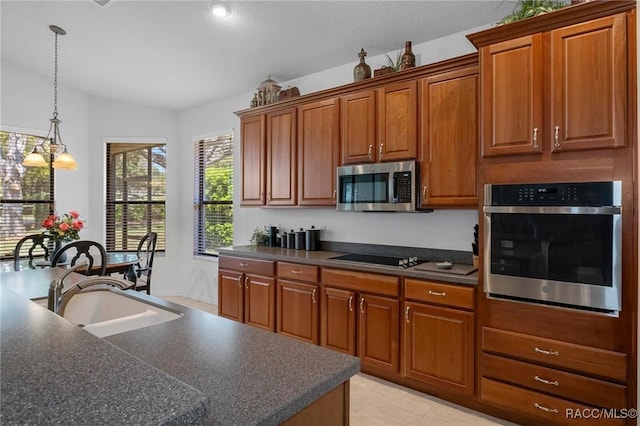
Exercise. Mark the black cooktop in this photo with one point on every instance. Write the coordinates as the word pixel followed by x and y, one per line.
pixel 379 260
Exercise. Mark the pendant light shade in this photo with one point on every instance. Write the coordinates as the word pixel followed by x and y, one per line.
pixel 63 160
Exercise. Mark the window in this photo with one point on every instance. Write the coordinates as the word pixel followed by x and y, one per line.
pixel 135 194
pixel 213 197
pixel 26 193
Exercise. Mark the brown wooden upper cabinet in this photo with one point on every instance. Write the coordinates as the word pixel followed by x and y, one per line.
pixel 449 138
pixel 380 124
pixel 579 71
pixel 281 157
pixel 318 152
pixel 253 148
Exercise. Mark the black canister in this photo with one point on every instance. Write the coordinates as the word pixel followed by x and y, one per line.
pixel 299 239
pixel 312 239
pixel 273 236
pixel 283 240
pixel 291 239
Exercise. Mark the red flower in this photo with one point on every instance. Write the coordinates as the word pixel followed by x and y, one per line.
pixel 48 223
pixel 64 227
pixel 77 225
pixel 74 214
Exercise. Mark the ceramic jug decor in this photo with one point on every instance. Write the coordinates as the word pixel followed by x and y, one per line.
pixel 362 70
pixel 408 58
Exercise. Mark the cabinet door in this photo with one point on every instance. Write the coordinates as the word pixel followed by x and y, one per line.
pixel 588 83
pixel 298 310
pixel 252 153
pixel 438 346
pixel 338 330
pixel 259 309
pixel 449 139
pixel 358 127
pixel 230 295
pixel 511 73
pixel 378 333
pixel 281 158
pixel 398 122
pixel 318 156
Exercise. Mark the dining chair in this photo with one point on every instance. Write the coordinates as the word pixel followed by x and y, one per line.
pixel 84 250
pixel 38 250
pixel 146 252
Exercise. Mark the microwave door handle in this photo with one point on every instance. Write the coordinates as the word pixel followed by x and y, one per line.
pixel 394 195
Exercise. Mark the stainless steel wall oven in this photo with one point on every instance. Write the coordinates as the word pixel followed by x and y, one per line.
pixel 557 244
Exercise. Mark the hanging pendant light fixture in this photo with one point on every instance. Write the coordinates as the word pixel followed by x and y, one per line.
pixel 63 160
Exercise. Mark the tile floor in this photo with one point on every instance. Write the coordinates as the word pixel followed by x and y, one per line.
pixel 376 402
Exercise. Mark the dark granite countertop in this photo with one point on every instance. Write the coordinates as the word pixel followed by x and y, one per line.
pixel 55 373
pixel 169 373
pixel 323 258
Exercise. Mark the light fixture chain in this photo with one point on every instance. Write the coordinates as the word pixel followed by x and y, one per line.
pixel 55 79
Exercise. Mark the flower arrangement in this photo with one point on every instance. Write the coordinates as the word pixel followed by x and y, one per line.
pixel 63 228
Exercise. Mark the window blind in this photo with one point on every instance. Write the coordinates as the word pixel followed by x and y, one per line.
pixel 136 194
pixel 26 193
pixel 213 194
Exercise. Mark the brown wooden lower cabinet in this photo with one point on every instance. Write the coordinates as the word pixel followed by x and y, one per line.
pixel 338 331
pixel 330 409
pixel 298 310
pixel 438 346
pixel 378 333
pixel 247 298
pixel 545 408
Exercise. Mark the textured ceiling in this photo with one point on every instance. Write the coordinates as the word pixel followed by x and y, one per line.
pixel 175 55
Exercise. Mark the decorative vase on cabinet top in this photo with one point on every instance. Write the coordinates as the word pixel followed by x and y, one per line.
pixel 362 70
pixel 408 58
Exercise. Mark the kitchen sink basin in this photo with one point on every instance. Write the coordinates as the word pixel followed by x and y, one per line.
pixel 104 312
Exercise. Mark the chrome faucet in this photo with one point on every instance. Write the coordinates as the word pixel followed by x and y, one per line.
pixel 56 299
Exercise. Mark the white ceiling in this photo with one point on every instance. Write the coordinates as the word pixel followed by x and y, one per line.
pixel 175 55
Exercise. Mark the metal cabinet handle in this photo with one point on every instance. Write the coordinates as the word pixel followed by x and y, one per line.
pixel 381 145
pixel 362 305
pixel 246 283
pixel 350 303
pixel 370 150
pixel 535 138
pixel 424 191
pixel 546 382
pixel 437 293
pixel 334 195
pixel 546 351
pixel 313 295
pixel 244 265
pixel 557 137
pixel 239 279
pixel 295 271
pixel 545 409
pixel 406 314
pixel 268 196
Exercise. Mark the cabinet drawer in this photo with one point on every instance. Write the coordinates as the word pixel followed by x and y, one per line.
pixel 250 266
pixel 361 281
pixel 544 407
pixel 559 383
pixel 295 271
pixel 580 358
pixel 444 294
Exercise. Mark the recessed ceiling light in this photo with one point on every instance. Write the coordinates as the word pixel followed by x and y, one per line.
pixel 219 9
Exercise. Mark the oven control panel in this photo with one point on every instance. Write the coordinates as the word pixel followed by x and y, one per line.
pixel 595 194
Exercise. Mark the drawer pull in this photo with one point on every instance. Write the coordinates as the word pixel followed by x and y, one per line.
pixel 362 306
pixel 437 293
pixel 244 265
pixel 546 382
pixel 350 303
pixel 545 409
pixel 546 352
pixel 535 138
pixel 313 296
pixel 556 136
pixel 406 314
pixel 246 283
pixel 295 271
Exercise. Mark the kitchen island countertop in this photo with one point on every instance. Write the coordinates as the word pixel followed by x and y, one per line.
pixel 196 369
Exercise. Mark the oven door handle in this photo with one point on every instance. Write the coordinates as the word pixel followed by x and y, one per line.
pixel 553 210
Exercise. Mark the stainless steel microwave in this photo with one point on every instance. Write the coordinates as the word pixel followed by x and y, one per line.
pixel 385 187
